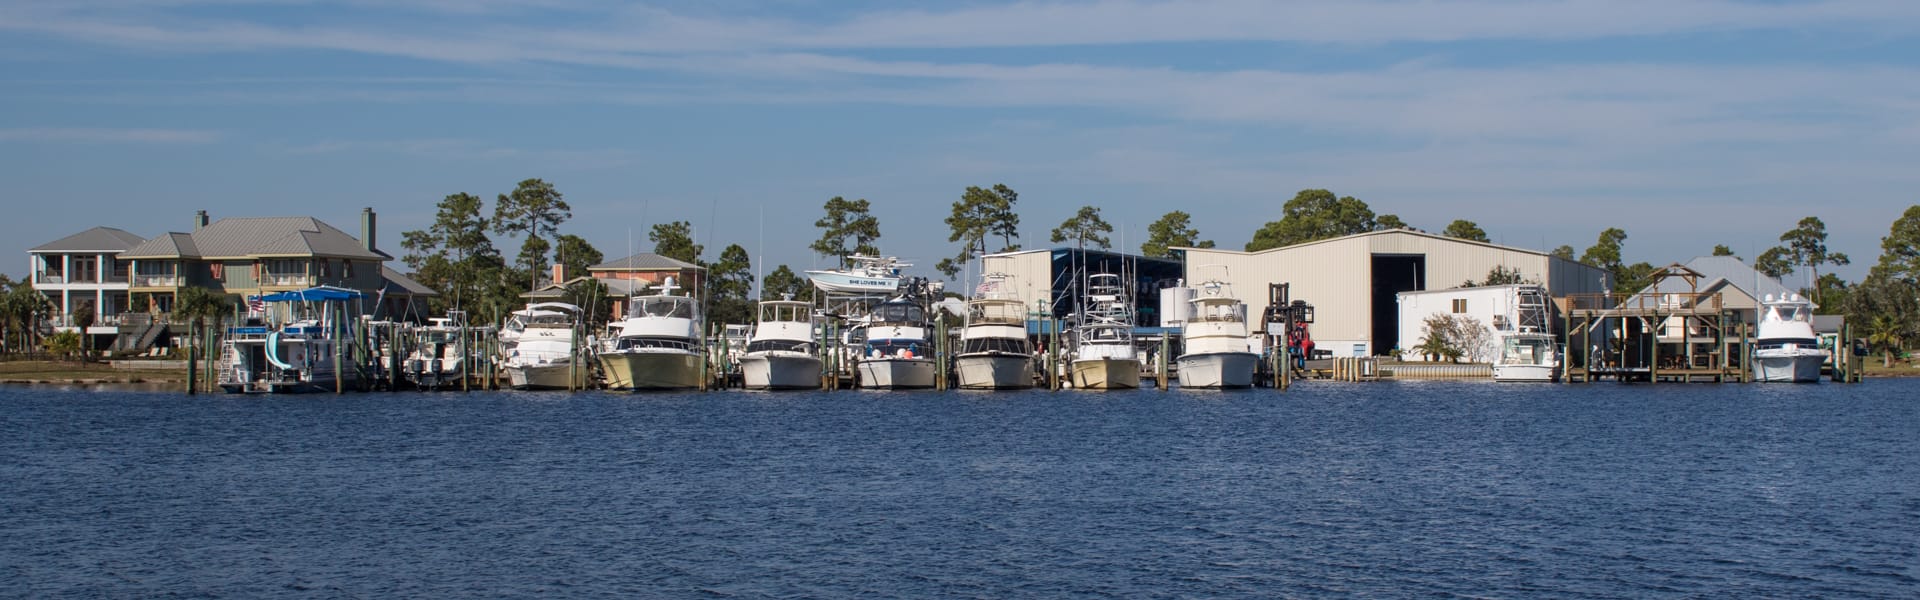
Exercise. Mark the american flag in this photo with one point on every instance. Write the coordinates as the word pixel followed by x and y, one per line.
pixel 256 306
pixel 985 287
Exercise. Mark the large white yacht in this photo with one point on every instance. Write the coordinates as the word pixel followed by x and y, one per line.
pixel 537 346
pixel 781 353
pixel 295 356
pixel 1528 352
pixel 1785 346
pixel 659 346
pixel 994 351
pixel 1217 354
pixel 895 352
pixel 1103 356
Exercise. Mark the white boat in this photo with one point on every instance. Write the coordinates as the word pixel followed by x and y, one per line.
pixel 780 354
pixel 869 275
pixel 299 356
pixel 894 350
pixel 1103 356
pixel 537 347
pixel 436 360
pixel 1785 348
pixel 659 346
pixel 994 351
pixel 1215 339
pixel 1528 351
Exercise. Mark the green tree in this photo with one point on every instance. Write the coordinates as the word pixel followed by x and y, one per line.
pixel 1605 252
pixel 730 288
pixel 534 209
pixel 978 214
pixel 24 307
pixel 782 283
pixel 1314 215
pixel 1498 275
pixel 454 256
pixel 1174 229
pixel 1887 334
pixel 1084 227
pixel 1465 230
pixel 848 228
pixel 1564 252
pixel 65 343
pixel 1723 250
pixel 533 255
pixel 1900 249
pixel 574 255
pixel 1775 262
pixel 1806 244
pixel 1389 222
pixel 675 240
pixel 200 307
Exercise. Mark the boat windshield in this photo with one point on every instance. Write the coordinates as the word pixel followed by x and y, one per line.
pixel 899 312
pixel 1003 312
pixel 793 312
pixel 1527 351
pixel 676 307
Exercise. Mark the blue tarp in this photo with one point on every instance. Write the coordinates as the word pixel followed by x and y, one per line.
pixel 313 294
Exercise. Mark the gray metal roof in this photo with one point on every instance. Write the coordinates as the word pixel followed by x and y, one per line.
pixel 1722 268
pixel 98 239
pixel 398 283
pixel 241 237
pixel 616 288
pixel 644 261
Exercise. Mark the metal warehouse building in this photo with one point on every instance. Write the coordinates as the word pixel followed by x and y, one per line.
pixel 1049 280
pixel 1352 281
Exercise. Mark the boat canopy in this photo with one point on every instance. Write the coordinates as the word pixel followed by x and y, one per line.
pixel 312 294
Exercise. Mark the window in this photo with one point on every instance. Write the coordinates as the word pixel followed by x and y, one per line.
pixel 1459 306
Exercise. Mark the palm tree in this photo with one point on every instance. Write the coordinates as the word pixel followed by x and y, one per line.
pixel 1886 333
pixel 199 305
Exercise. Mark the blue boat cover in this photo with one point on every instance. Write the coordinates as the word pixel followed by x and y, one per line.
pixel 311 294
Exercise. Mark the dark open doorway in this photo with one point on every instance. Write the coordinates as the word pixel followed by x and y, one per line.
pixel 1392 274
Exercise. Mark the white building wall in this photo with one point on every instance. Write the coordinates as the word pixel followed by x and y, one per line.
pixel 1490 305
pixel 1336 277
pixel 1030 274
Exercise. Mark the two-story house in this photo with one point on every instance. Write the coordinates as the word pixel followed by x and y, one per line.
pixel 84 272
pixel 247 256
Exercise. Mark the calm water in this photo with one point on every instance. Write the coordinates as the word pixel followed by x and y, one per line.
pixel 1410 489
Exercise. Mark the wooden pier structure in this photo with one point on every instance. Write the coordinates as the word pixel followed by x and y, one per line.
pixel 1680 336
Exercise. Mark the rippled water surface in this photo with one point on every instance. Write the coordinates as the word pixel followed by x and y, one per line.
pixel 1389 489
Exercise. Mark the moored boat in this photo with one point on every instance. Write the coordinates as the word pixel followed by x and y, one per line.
pixel 994 351
pixel 537 345
pixel 301 355
pixel 1528 351
pixel 659 346
pixel 895 352
pixel 1785 348
pixel 781 353
pixel 868 275
pixel 1217 354
pixel 1104 357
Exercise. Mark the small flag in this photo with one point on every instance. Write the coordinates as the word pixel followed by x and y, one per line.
pixel 985 287
pixel 256 306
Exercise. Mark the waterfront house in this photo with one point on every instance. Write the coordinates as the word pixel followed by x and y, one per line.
pixel 84 272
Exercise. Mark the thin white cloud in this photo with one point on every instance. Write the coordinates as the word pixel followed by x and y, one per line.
pixel 107 135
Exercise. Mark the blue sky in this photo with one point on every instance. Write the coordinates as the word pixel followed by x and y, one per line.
pixel 1686 123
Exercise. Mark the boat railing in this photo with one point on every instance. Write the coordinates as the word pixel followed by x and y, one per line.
pixel 1669 302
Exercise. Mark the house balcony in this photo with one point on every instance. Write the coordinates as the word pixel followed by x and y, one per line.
pixel 276 280
pixel 44 278
pixel 157 281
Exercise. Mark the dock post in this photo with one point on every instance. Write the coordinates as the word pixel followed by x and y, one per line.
pixel 339 386
pixel 939 353
pixel 193 368
pixel 1165 347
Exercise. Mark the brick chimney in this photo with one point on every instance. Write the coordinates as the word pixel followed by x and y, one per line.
pixel 199 220
pixel 559 273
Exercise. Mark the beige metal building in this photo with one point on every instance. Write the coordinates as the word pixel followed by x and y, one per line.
pixel 1352 281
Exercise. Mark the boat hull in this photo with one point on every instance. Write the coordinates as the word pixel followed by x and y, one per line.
pixel 1526 373
pixel 896 373
pixel 1218 370
pixel 540 377
pixel 1803 367
pixel 1106 374
pixel 780 371
pixel 651 370
pixel 847 283
pixel 994 371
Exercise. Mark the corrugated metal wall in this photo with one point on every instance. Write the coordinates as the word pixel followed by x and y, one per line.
pixel 1031 273
pixel 1336 275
